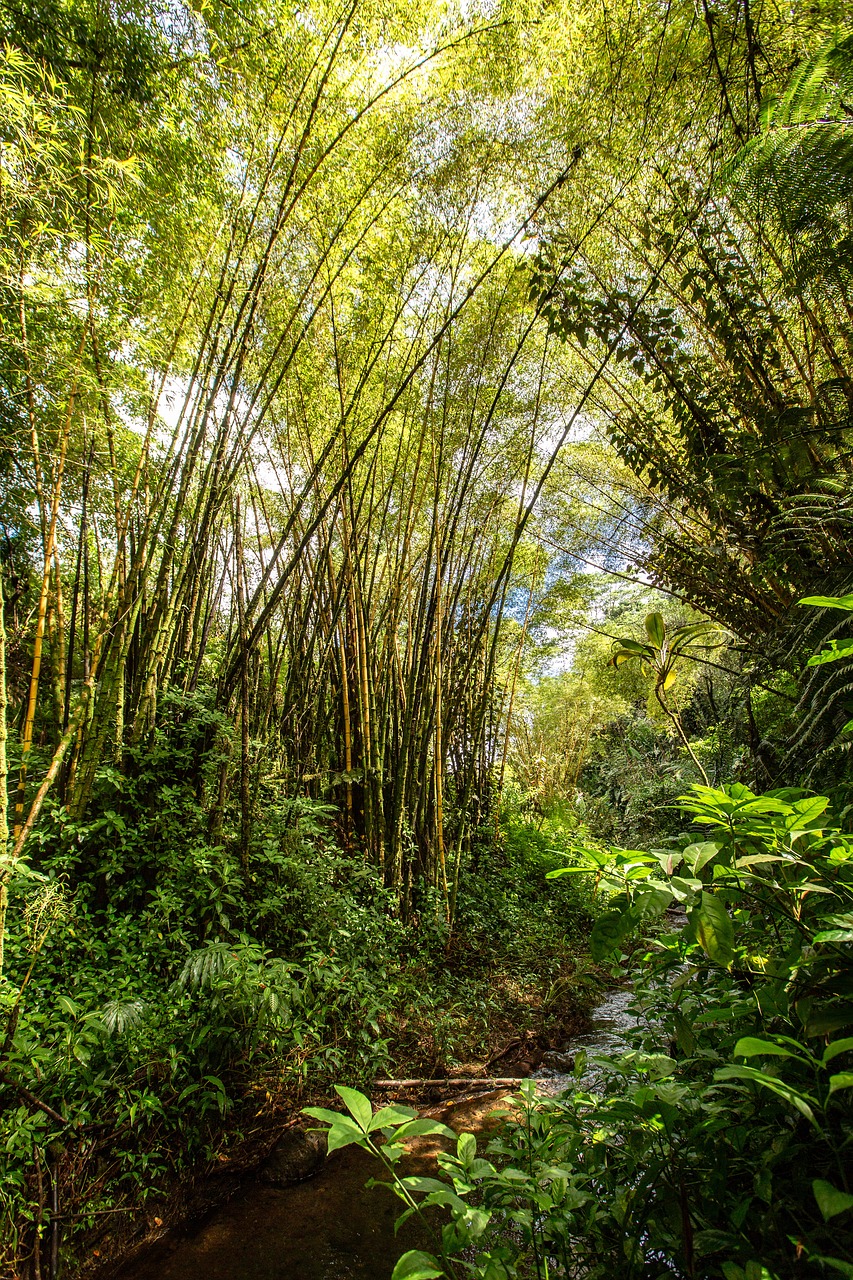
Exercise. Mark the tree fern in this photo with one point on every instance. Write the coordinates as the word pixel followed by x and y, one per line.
pixel 799 169
pixel 820 88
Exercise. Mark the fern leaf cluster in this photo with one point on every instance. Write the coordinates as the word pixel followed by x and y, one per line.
pixel 799 169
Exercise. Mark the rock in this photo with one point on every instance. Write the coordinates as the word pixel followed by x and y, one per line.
pixel 558 1061
pixel 297 1155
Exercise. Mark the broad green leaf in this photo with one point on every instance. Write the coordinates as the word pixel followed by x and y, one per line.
pixel 830 1200
pixel 466 1146
pixel 809 809
pixel 800 1101
pixel 749 1047
pixel 684 1034
pixel 713 928
pixel 709 1241
pixel 652 901
pixel 835 651
pixel 417 1265
pixel 696 856
pixel 389 1116
pixel 846 1268
pixel 357 1105
pixel 759 859
pixel 609 931
pixel 476 1221
pixel 685 888
pixel 829 602
pixel 691 630
pixel 658 1065
pixel 833 1017
pixel 420 1126
pixel 415 1182
pixel 634 648
pixel 344 1134
pixel 838 1046
pixel 844 1080
pixel 668 859
pixel 322 1113
pixel 656 629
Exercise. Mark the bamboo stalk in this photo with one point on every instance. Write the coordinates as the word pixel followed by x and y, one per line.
pixel 29 720
pixel 245 799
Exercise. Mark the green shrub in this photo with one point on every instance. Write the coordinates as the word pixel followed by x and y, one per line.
pixel 719 1143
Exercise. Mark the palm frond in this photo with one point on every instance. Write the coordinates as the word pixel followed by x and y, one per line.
pixel 119 1016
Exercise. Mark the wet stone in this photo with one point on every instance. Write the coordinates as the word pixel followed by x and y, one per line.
pixel 298 1155
pixel 558 1061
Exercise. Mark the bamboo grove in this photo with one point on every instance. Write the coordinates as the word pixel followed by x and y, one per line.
pixel 280 402
pixel 308 493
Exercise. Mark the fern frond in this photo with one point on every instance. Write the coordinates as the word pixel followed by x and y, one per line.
pixel 800 166
pixel 818 87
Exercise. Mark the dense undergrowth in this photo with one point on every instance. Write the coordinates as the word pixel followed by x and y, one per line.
pixel 719 1143
pixel 168 991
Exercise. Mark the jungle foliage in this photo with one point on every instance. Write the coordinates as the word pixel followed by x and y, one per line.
pixel 718 1142
pixel 424 457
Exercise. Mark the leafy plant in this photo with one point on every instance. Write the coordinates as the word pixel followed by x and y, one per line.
pixel 720 1141
pixel 660 655
pixel 835 650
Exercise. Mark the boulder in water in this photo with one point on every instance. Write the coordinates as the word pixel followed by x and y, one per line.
pixel 558 1061
pixel 297 1155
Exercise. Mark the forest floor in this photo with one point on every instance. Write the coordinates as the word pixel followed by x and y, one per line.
pixel 538 1014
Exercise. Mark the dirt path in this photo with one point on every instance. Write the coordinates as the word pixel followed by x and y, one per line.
pixel 331 1227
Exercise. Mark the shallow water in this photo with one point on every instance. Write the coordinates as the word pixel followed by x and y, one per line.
pixel 334 1227
pixel 331 1227
pixel 611 1020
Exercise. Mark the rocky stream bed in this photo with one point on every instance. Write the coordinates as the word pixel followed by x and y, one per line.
pixel 303 1216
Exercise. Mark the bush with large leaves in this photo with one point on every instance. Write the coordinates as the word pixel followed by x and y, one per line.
pixel 719 1143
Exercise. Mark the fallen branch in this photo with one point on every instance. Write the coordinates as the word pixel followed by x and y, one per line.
pixel 96 1213
pixel 31 1097
pixel 501 1053
pixel 451 1082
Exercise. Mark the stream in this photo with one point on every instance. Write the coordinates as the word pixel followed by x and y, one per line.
pixel 610 1020
pixel 332 1226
